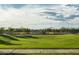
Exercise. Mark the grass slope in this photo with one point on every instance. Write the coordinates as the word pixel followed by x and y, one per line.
pixel 42 41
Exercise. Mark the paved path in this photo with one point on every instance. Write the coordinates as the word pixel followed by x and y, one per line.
pixel 39 51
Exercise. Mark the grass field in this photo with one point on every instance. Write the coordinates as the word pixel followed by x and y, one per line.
pixel 41 41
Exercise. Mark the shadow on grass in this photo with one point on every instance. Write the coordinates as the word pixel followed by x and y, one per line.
pixel 29 36
pixel 6 42
pixel 32 37
pixel 10 37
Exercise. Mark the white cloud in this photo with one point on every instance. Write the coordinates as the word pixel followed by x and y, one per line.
pixel 29 17
pixel 75 21
pixel 12 17
pixel 66 11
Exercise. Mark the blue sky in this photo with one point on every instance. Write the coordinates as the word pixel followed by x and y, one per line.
pixel 38 16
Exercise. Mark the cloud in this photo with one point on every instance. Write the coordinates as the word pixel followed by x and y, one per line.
pixel 61 12
pixel 24 17
pixel 37 16
pixel 74 21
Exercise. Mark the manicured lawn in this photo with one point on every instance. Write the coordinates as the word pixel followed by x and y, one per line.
pixel 41 41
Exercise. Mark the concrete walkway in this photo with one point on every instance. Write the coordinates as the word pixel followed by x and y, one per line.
pixel 39 51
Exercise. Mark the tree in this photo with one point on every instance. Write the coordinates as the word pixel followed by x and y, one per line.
pixel 10 29
pixel 2 30
pixel 49 30
pixel 43 31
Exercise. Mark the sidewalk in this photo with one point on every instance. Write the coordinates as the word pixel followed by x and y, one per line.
pixel 39 51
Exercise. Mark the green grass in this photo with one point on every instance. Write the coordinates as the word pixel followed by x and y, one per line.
pixel 42 41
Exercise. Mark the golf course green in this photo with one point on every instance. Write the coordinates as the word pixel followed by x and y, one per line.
pixel 41 41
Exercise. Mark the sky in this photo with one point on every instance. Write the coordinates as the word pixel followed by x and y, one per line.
pixel 39 16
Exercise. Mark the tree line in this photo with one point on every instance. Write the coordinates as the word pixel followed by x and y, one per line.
pixel 44 31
